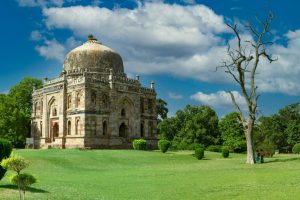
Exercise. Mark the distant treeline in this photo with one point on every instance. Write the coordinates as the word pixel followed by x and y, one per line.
pixel 200 125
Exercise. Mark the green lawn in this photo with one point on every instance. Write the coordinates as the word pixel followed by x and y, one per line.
pixel 128 174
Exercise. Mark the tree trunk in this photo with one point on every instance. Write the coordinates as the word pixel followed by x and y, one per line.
pixel 249 140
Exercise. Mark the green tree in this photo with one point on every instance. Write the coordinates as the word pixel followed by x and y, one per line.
pixel 281 130
pixel 232 132
pixel 289 120
pixel 193 124
pixel 269 132
pixel 199 124
pixel 15 110
pixel 293 133
pixel 168 128
pixel 161 109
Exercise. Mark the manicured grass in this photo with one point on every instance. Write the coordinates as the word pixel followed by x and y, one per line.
pixel 129 174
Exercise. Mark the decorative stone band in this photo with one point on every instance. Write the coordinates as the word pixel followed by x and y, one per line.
pixel 56 80
pixel 53 88
pixel 148 90
pixel 76 112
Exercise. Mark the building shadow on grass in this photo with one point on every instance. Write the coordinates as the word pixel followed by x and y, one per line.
pixel 28 189
pixel 281 160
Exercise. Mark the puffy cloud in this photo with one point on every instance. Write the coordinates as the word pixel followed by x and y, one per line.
pixel 283 74
pixel 185 41
pixel 52 49
pixel 152 38
pixel 175 96
pixel 220 99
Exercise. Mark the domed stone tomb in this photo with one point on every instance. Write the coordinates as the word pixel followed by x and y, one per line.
pixel 93 104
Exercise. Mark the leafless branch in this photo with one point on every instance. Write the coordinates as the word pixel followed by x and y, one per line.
pixel 237 107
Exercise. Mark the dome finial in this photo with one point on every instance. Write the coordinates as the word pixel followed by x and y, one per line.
pixel 91 37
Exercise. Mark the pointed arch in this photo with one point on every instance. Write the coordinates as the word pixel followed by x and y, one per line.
pixel 69 127
pixel 77 123
pixel 94 98
pixel 123 113
pixel 51 101
pixel 69 105
pixel 126 101
pixel 41 107
pixel 125 106
pixel 123 130
pixel 35 108
pixel 78 100
pixel 142 129
pixel 104 127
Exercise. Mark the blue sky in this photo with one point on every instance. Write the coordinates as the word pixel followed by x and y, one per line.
pixel 176 43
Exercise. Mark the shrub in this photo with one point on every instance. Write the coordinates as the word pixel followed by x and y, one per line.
pixel 17 164
pixel 23 180
pixel 164 145
pixel 183 146
pixel 139 144
pixel 296 148
pixel 199 153
pixel 197 146
pixel 267 148
pixel 214 148
pixel 174 147
pixel 5 151
pixel 225 152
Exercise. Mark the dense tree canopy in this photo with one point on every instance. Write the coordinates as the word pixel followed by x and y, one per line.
pixel 232 132
pixel 15 110
pixel 281 130
pixel 193 124
pixel 169 127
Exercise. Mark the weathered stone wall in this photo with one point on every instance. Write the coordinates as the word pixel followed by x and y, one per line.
pixel 93 104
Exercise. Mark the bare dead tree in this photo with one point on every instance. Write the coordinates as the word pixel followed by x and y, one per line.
pixel 242 66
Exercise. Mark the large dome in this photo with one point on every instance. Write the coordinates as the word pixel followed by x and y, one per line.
pixel 94 56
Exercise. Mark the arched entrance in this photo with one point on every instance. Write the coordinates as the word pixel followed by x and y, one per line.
pixel 123 130
pixel 52 125
pixel 55 129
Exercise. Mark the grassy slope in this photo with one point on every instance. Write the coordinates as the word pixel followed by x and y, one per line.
pixel 127 174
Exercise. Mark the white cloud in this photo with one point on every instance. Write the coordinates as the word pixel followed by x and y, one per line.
pixel 36 36
pixel 175 96
pixel 185 41
pixel 283 74
pixel 152 38
pixel 220 99
pixel 52 50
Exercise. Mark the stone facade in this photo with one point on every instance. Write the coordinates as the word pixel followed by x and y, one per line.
pixel 93 104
